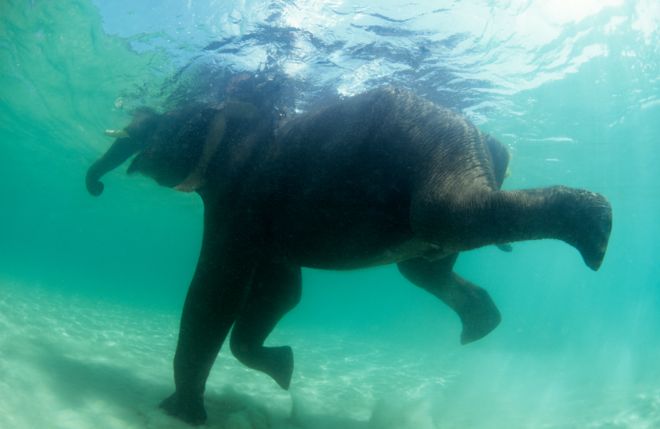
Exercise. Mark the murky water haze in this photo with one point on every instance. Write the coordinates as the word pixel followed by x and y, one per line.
pixel 92 287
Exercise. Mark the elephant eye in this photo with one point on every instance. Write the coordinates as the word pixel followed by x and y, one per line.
pixel 149 153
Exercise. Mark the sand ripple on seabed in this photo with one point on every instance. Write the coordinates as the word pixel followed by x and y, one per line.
pixel 641 412
pixel 70 363
pixel 357 373
pixel 67 363
pixel 74 364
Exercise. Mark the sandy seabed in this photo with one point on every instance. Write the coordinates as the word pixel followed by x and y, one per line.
pixel 68 362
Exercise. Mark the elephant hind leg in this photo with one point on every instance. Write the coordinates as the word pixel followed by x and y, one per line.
pixel 580 218
pixel 473 304
pixel 276 290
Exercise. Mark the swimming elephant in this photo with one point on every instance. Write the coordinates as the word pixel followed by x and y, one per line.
pixel 379 178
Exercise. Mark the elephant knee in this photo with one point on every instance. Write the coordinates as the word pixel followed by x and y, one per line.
pixel 428 274
pixel 413 275
pixel 292 298
pixel 240 348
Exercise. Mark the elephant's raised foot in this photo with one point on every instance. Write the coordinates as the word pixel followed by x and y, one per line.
pixel 282 366
pixel 274 361
pixel 590 218
pixel 190 410
pixel 480 317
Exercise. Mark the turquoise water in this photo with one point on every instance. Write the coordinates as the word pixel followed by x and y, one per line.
pixel 91 288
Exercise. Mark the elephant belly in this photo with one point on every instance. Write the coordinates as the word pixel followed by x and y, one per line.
pixel 351 256
pixel 347 240
pixel 345 215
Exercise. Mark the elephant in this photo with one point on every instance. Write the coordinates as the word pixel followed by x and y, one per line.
pixel 383 177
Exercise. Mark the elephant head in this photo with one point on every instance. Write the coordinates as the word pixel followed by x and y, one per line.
pixel 167 147
pixel 128 142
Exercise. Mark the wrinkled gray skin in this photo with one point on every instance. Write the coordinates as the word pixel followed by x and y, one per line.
pixel 380 178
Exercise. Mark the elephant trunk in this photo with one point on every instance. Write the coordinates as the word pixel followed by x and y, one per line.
pixel 120 151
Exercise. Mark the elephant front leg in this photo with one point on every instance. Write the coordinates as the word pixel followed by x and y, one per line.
pixel 474 219
pixel 216 295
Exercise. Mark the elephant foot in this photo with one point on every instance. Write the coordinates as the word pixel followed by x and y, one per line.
pixel 280 365
pixel 277 362
pixel 591 218
pixel 479 317
pixel 190 410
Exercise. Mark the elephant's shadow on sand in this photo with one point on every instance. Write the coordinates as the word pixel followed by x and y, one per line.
pixel 134 400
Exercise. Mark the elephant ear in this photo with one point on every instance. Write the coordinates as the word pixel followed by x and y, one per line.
pixel 500 156
pixel 145 119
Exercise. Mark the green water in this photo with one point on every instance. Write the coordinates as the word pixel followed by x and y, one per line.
pixel 575 349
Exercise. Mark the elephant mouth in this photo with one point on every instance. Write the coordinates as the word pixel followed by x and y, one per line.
pixel 117 134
